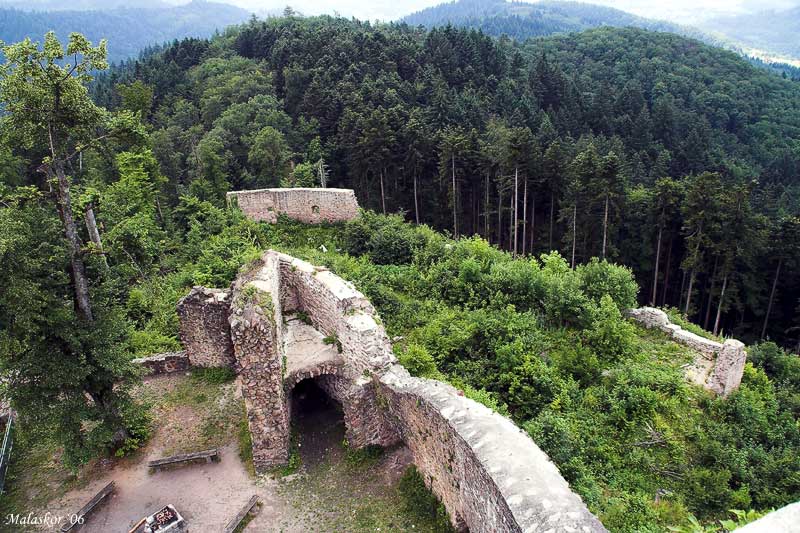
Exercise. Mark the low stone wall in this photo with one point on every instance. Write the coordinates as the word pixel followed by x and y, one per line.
pixel 312 206
pixel 204 329
pixel 164 363
pixel 488 472
pixel 722 364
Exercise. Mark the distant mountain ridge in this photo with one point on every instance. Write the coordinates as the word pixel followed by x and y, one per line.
pixel 522 20
pixel 128 30
pixel 771 31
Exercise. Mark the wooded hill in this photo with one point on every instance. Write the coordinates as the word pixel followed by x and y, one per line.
pixel 591 143
pixel 129 30
pixel 525 20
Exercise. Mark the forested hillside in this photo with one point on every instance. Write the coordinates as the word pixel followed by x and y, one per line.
pixel 607 142
pixel 609 146
pixel 525 20
pixel 129 30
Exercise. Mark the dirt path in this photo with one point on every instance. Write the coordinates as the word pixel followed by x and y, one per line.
pixel 333 491
pixel 208 494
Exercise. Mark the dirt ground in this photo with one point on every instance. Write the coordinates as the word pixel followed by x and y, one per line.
pixel 333 489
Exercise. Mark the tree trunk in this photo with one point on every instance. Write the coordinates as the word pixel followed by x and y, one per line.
pixel 516 208
pixel 533 223
pixel 94 235
pixel 605 227
pixel 510 222
pixel 80 280
pixel 525 217
pixel 667 271
pixel 689 294
pixel 574 232
pixel 771 298
pixel 383 195
pixel 455 200
pixel 486 215
pixel 658 259
pixel 500 219
pixel 721 299
pixel 552 214
pixel 712 285
pixel 416 201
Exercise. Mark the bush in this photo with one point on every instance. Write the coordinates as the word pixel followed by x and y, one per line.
pixel 418 361
pixel 610 335
pixel 601 278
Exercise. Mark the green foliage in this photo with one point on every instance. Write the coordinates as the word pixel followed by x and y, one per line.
pixel 419 501
pixel 418 361
pixel 610 335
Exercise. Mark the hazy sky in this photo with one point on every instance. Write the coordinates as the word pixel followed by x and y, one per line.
pixel 685 11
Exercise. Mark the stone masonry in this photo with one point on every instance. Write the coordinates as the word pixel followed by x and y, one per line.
pixel 312 206
pixel 204 329
pixel 488 473
pixel 718 366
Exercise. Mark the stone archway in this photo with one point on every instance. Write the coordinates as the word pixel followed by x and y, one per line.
pixel 316 420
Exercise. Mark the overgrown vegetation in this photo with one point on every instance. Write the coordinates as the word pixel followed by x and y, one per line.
pixel 419 501
pixel 491 130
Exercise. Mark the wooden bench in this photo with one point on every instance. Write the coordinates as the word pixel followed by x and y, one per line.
pixel 79 518
pixel 208 455
pixel 233 524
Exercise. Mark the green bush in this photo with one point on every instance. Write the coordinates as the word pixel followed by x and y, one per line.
pixel 610 335
pixel 601 278
pixel 418 361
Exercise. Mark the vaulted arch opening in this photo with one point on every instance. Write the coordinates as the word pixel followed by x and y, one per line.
pixel 317 421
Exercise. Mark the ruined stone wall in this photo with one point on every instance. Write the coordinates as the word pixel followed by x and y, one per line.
pixel 339 311
pixel 164 363
pixel 719 366
pixel 204 329
pixel 488 473
pixel 312 206
pixel 255 316
pixel 336 308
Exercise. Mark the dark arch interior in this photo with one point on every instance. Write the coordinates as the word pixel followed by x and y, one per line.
pixel 318 422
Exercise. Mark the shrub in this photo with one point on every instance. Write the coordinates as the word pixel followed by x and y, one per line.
pixel 601 278
pixel 610 335
pixel 418 361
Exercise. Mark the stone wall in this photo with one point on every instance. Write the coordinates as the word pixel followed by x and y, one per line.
pixel 488 473
pixel 254 320
pixel 204 328
pixel 312 206
pixel 164 363
pixel 718 367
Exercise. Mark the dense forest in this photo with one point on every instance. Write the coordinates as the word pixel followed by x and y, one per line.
pixel 129 29
pixel 602 143
pixel 524 20
pixel 511 181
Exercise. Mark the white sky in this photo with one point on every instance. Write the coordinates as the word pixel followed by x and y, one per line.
pixel 684 11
